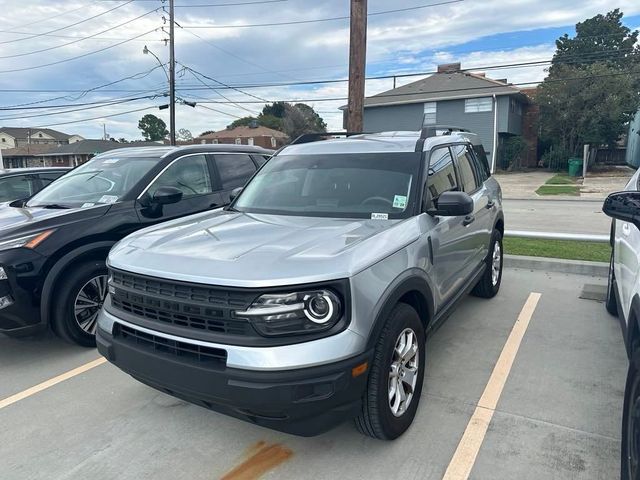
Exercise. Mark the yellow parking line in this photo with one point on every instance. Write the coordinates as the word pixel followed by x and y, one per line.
pixel 465 456
pixel 51 382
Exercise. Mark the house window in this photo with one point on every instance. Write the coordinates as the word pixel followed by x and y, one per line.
pixel 273 142
pixel 4 140
pixel 215 140
pixel 39 135
pixel 203 142
pixel 238 141
pixel 429 113
pixel 516 107
pixel 475 105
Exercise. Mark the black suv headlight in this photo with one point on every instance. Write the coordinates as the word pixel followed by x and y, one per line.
pixel 313 311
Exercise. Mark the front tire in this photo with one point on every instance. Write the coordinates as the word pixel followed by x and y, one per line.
pixel 489 284
pixel 79 299
pixel 395 380
pixel 631 421
pixel 611 302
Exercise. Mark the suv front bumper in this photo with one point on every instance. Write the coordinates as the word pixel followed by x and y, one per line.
pixel 304 401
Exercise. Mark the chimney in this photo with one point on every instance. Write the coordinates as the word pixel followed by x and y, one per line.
pixel 449 67
pixel 253 124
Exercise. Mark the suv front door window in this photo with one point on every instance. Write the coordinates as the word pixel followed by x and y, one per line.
pixel 16 187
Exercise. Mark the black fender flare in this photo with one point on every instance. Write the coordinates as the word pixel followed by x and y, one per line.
pixel 411 280
pixel 499 218
pixel 58 268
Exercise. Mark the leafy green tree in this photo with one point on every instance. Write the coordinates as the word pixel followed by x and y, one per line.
pixel 152 128
pixel 242 122
pixel 591 91
pixel 185 135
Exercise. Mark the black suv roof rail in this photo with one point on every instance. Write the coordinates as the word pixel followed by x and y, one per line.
pixel 432 131
pixel 315 137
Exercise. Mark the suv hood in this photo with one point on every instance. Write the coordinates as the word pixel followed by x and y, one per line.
pixel 248 250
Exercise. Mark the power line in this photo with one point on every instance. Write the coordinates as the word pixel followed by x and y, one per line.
pixel 218 111
pixel 78 56
pixel 254 2
pixel 317 20
pixel 72 37
pixel 224 84
pixel 66 26
pixel 96 118
pixel 82 38
pixel 66 12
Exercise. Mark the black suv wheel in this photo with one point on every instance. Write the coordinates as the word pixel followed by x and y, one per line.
pixel 611 302
pixel 80 296
pixel 489 284
pixel 395 380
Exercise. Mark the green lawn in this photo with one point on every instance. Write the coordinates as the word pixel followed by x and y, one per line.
pixel 569 249
pixel 561 179
pixel 558 190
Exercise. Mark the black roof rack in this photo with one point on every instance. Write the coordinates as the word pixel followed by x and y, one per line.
pixel 432 131
pixel 315 137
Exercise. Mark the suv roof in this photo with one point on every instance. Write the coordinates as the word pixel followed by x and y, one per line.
pixel 400 141
pixel 163 151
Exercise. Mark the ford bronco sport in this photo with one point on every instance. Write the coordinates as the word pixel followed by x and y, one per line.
pixel 309 298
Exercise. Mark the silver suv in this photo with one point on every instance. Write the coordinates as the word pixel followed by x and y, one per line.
pixel 308 300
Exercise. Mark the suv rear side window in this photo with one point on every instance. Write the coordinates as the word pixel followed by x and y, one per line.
pixel 441 176
pixel 234 170
pixel 483 162
pixel 17 187
pixel 189 174
pixel 466 168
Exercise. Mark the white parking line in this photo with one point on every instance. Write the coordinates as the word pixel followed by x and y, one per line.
pixel 51 382
pixel 465 456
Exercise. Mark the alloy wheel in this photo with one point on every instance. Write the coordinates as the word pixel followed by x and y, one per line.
pixel 496 263
pixel 403 372
pixel 89 302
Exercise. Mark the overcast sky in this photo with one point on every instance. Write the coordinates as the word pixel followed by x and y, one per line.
pixel 34 33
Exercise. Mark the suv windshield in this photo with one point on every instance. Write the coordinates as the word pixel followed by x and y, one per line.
pixel 338 185
pixel 100 181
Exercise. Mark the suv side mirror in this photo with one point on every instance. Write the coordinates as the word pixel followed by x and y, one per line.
pixel 623 206
pixel 453 204
pixel 234 193
pixel 166 195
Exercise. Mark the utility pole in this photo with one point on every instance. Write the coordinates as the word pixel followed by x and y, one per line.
pixel 172 77
pixel 357 65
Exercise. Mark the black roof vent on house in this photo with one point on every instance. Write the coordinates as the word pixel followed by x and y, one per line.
pixel 502 80
pixel 449 67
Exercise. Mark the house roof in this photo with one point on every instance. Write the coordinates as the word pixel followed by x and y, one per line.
pixel 83 147
pixel 21 132
pixel 244 132
pixel 442 86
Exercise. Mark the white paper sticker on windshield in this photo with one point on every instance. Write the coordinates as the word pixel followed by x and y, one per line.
pixel 111 160
pixel 399 201
pixel 379 216
pixel 87 205
pixel 108 199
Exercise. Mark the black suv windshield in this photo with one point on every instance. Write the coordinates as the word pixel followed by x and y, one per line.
pixel 375 186
pixel 102 180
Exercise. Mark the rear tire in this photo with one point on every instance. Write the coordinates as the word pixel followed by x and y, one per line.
pixel 611 302
pixel 80 295
pixel 489 284
pixel 395 380
pixel 631 421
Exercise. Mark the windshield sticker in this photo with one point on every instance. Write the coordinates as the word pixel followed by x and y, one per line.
pixel 379 216
pixel 110 160
pixel 399 201
pixel 87 205
pixel 108 199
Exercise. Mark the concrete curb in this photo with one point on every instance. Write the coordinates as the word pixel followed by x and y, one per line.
pixel 578 267
pixel 552 199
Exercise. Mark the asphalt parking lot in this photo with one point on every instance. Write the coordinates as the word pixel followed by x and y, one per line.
pixel 557 417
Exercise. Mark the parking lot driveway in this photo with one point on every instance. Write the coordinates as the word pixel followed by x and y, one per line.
pixel 558 416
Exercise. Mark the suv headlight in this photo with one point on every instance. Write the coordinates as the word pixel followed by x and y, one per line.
pixel 274 314
pixel 29 241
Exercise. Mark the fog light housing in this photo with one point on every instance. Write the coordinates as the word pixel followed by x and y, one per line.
pixel 6 301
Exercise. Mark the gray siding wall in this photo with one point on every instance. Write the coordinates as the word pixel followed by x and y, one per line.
pixel 451 112
pixel 393 117
pixel 508 121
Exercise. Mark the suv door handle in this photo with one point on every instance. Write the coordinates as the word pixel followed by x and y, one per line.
pixel 490 204
pixel 468 220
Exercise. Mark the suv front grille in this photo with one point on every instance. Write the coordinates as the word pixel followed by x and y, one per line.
pixel 180 304
pixel 172 348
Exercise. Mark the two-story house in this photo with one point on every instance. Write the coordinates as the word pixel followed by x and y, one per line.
pixel 13 137
pixel 491 108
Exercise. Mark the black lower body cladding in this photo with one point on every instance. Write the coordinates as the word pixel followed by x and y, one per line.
pixel 304 402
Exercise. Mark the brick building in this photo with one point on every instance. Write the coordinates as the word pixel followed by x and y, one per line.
pixel 251 135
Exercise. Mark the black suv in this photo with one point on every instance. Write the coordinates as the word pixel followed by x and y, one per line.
pixel 53 246
pixel 17 183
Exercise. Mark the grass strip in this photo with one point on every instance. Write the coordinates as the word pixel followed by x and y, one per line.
pixel 567 249
pixel 558 190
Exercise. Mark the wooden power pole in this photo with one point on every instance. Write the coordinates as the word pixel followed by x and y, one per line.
pixel 357 65
pixel 172 77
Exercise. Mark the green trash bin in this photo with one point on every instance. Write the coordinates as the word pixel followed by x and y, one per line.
pixel 575 167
